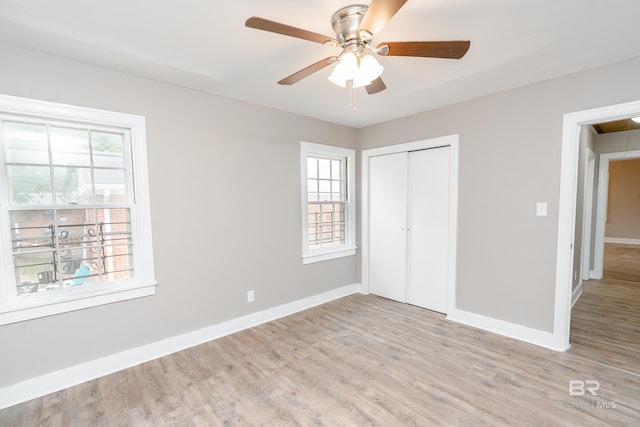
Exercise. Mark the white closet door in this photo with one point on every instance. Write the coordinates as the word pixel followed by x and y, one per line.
pixel 387 222
pixel 428 219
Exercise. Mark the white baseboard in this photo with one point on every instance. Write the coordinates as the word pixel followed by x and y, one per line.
pixel 622 241
pixel 575 295
pixel 511 330
pixel 64 378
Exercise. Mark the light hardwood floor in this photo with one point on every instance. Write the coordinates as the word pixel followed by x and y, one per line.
pixel 605 324
pixel 358 361
pixel 622 262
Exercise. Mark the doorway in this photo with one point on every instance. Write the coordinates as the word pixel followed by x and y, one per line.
pixel 602 209
pixel 567 209
pixel 605 321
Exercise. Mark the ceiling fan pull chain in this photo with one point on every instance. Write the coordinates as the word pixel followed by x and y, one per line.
pixel 353 98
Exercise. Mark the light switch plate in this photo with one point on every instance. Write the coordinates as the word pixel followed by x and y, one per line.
pixel 541 209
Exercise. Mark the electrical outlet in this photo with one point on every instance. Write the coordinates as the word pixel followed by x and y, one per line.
pixel 250 296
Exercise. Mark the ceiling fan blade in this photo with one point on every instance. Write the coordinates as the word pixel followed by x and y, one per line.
pixel 287 30
pixel 445 49
pixel 305 72
pixel 377 16
pixel 376 86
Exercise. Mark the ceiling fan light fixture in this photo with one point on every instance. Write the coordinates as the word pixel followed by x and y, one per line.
pixel 355 27
pixel 362 72
pixel 636 119
pixel 370 69
pixel 360 82
pixel 344 70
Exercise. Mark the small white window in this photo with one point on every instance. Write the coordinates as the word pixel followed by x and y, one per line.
pixel 74 209
pixel 328 202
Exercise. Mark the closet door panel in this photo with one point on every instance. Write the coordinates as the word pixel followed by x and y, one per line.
pixel 428 223
pixel 387 223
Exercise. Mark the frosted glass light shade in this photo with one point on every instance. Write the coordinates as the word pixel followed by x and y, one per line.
pixel 338 76
pixel 345 70
pixel 636 119
pixel 370 69
pixel 362 73
pixel 360 82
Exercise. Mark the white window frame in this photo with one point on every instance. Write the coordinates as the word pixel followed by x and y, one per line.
pixel 349 248
pixel 14 308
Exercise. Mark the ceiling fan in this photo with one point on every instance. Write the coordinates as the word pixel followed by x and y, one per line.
pixel 355 27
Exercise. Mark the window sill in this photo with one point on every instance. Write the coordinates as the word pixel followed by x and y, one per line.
pixel 41 308
pixel 310 258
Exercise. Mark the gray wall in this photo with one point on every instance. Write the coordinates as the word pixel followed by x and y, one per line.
pixel 510 152
pixel 623 217
pixel 618 142
pixel 225 202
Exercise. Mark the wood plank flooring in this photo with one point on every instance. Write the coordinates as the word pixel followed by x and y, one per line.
pixel 605 324
pixel 361 360
pixel 622 262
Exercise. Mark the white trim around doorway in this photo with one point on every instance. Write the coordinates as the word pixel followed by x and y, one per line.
pixel 587 215
pixel 567 209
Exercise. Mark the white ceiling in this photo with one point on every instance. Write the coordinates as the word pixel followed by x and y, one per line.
pixel 204 45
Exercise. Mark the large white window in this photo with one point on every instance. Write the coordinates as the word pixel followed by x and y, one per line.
pixel 74 209
pixel 328 202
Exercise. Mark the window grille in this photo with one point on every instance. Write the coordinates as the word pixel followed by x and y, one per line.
pixel 326 201
pixel 328 207
pixel 68 204
pixel 74 221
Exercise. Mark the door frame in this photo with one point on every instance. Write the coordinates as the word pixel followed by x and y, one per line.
pixel 603 204
pixel 587 213
pixel 452 142
pixel 567 209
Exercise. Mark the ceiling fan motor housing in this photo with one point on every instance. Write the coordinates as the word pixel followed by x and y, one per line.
pixel 345 23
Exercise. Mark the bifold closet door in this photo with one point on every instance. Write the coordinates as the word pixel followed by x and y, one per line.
pixel 409 227
pixel 387 223
pixel 428 225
